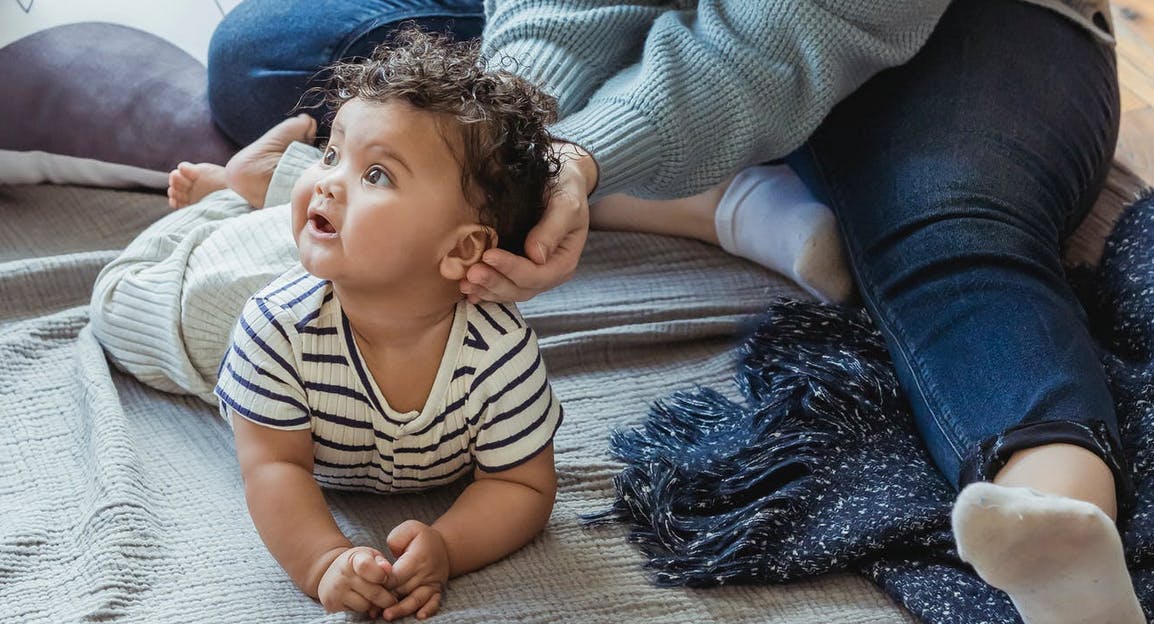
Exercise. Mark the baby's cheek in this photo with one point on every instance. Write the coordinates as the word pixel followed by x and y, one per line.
pixel 301 195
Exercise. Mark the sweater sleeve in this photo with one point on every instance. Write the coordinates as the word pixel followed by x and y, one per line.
pixel 711 90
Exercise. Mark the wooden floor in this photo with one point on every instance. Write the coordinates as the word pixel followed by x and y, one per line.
pixel 1134 158
pixel 1134 29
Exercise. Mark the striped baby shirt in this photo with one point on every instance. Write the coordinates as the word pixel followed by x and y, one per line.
pixel 293 364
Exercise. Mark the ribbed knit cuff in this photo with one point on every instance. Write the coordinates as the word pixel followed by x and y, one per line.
pixel 298 157
pixel 620 139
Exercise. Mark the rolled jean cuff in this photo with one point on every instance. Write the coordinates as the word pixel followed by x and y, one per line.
pixel 993 453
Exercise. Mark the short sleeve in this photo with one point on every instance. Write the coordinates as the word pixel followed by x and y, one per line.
pixel 518 412
pixel 259 378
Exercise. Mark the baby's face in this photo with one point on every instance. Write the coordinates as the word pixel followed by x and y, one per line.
pixel 384 204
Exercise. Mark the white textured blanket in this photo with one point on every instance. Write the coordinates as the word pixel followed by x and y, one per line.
pixel 122 503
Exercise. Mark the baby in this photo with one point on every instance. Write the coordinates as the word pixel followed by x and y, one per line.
pixel 365 368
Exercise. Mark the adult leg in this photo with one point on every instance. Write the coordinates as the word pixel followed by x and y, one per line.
pixel 954 179
pixel 265 53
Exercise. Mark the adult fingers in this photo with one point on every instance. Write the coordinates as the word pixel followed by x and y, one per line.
pixel 489 284
pixel 566 212
pixel 529 275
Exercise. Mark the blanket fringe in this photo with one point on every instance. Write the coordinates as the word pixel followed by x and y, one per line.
pixel 711 485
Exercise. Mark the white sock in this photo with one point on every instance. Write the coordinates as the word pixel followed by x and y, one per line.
pixel 769 216
pixel 1059 559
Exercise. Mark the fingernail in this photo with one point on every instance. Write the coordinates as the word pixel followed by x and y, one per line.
pixel 544 253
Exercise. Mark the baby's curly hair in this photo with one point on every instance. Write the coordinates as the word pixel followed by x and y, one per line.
pixel 507 166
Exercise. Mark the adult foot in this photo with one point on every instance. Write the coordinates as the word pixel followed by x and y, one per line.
pixel 249 172
pixel 821 267
pixel 1059 559
pixel 189 183
pixel 769 216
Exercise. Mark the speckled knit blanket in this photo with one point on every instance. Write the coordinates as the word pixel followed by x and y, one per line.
pixel 819 468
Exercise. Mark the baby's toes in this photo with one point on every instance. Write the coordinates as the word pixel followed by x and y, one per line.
pixel 177 189
pixel 190 172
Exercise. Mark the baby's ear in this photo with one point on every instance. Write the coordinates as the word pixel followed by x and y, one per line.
pixel 472 242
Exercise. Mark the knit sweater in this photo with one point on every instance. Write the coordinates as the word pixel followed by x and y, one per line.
pixel 670 97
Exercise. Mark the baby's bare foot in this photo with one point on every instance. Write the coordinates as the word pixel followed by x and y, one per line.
pixel 250 171
pixel 189 183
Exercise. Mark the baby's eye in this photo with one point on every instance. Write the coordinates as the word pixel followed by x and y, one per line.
pixel 330 157
pixel 377 176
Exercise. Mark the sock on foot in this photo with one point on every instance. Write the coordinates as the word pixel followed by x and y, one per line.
pixel 1059 559
pixel 767 215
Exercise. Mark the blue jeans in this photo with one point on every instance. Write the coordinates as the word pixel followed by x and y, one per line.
pixel 955 178
pixel 266 53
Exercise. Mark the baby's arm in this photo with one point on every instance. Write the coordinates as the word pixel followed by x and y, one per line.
pixel 294 521
pixel 496 514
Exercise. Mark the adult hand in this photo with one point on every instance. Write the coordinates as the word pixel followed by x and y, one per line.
pixel 553 246
pixel 421 571
pixel 355 581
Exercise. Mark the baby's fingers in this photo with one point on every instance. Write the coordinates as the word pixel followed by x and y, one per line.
pixel 352 601
pixel 378 597
pixel 431 607
pixel 420 597
pixel 371 566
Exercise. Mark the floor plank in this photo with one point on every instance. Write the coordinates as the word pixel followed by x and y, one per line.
pixel 1134 31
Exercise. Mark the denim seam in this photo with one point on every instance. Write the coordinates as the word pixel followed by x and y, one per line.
pixel 924 387
pixel 371 24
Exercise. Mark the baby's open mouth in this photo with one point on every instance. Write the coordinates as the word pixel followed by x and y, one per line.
pixel 322 224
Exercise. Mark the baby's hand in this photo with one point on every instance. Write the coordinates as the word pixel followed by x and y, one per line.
pixel 420 572
pixel 355 581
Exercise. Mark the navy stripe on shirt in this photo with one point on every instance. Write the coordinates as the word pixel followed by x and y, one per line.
pixel 341 420
pixel 514 464
pixel 312 289
pixel 264 392
pixel 443 460
pixel 287 286
pixel 324 358
pixel 258 418
pixel 513 384
pixel 340 446
pixel 513 411
pixel 276 357
pixel 308 318
pixel 453 474
pixel 520 433
pixel 340 390
pixel 501 330
pixel 512 317
pixel 271 318
pixel 258 368
pixel 464 370
pixel 441 417
pixel 362 373
pixel 501 361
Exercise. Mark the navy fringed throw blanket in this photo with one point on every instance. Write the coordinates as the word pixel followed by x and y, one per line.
pixel 819 468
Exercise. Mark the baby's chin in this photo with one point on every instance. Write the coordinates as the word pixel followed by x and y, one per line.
pixel 312 263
